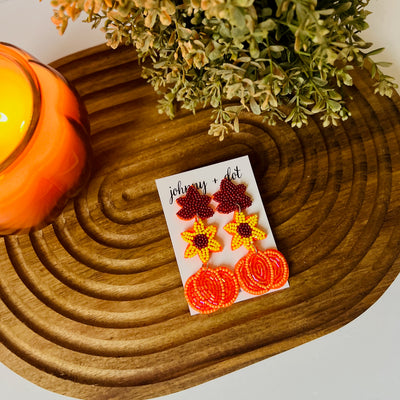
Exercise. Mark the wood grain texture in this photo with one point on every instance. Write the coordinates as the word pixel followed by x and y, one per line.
pixel 93 306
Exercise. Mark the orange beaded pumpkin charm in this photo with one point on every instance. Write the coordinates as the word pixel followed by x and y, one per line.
pixel 210 289
pixel 258 271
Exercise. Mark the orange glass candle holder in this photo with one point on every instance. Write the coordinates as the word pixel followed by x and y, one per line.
pixel 45 152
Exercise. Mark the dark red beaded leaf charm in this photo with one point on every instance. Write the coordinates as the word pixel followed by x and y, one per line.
pixel 194 204
pixel 231 197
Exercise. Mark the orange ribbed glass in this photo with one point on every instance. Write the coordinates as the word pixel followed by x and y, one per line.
pixel 45 153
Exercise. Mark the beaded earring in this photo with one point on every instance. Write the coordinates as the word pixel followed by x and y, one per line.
pixel 258 271
pixel 209 289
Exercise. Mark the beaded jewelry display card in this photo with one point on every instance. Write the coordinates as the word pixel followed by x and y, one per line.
pixel 223 243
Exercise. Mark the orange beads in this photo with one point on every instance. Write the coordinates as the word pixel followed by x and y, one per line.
pixel 258 272
pixel 210 289
pixel 255 273
pixel 281 268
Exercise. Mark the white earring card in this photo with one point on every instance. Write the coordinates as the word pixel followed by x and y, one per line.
pixel 207 180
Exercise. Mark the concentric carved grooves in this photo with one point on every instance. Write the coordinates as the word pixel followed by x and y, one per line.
pixel 93 306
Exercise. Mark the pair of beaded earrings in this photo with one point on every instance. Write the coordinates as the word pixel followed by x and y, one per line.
pixel 210 289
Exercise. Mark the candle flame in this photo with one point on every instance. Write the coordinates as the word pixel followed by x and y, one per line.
pixel 3 117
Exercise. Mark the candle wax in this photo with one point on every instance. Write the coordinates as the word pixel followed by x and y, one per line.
pixel 16 107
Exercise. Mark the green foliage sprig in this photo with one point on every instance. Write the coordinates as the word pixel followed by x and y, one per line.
pixel 241 55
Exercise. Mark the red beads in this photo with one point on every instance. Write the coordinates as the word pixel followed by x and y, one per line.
pixel 210 289
pixel 194 205
pixel 231 197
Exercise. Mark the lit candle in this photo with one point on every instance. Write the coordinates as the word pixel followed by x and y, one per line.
pixel 16 106
pixel 44 142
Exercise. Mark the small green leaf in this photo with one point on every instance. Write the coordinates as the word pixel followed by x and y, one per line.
pixel 333 105
pixel 267 25
pixel 347 80
pixel 319 82
pixel 236 124
pixel 384 64
pixel 254 106
pixel 276 48
pixel 374 52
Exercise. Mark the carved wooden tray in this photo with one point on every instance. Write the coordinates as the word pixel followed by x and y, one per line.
pixel 93 306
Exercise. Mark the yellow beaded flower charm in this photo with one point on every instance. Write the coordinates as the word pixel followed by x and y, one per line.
pixel 201 241
pixel 244 230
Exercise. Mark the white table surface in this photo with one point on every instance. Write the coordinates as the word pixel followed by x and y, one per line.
pixel 360 361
